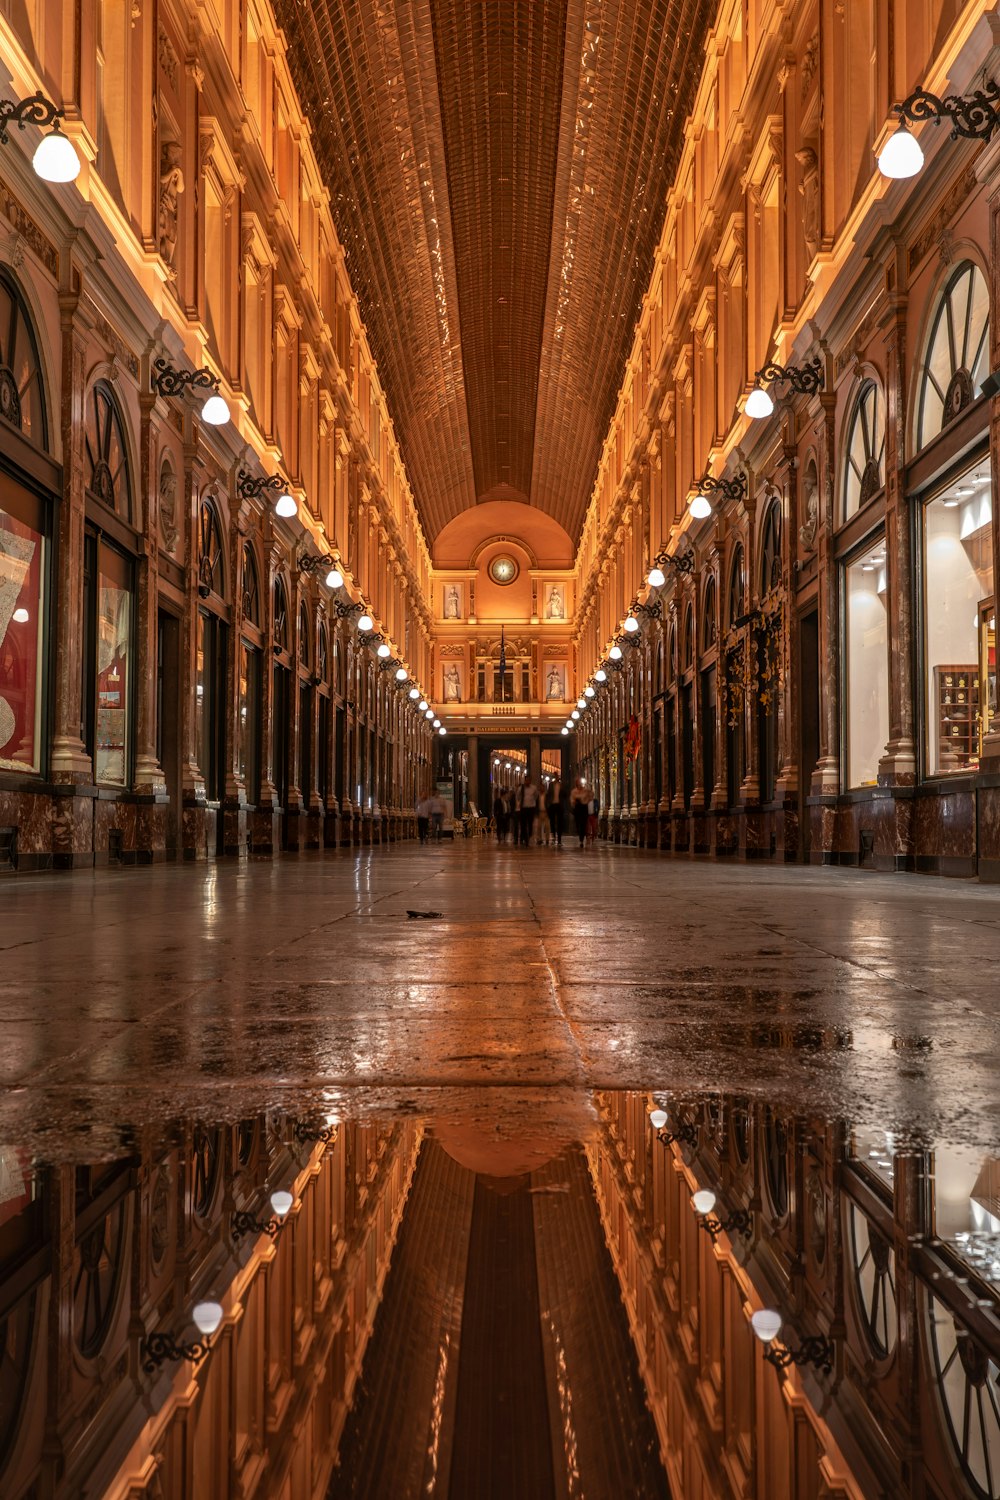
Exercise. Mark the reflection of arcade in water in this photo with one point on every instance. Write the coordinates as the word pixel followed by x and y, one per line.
pixel 813 1310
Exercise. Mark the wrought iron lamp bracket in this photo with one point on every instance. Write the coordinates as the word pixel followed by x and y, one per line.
pixel 681 562
pixel 159 1349
pixel 732 489
pixel 313 564
pixel 169 381
pixel 244 1222
pixel 804 380
pixel 686 1133
pixel 35 110
pixel 739 1221
pixel 815 1350
pixel 974 117
pixel 309 1135
pixel 249 488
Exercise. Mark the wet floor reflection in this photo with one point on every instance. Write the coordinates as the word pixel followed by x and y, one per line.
pixel 649 1296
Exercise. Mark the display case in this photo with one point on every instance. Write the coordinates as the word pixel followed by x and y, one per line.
pixel 956 700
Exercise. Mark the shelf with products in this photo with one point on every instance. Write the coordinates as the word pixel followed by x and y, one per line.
pixel 956 702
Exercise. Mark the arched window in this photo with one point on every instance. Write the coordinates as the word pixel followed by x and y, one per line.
pixel 22 395
pixel 280 615
pixel 864 468
pixel 688 638
pixel 770 549
pixel 251 587
pixel 966 1375
pixel 323 664
pixel 710 616
pixel 211 554
pixel 737 588
pixel 671 662
pixel 305 645
pixel 108 476
pixel 956 361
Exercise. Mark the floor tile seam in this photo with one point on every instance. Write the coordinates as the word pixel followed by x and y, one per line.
pixel 873 973
pixel 583 1060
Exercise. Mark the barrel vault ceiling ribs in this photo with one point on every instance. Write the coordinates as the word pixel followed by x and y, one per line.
pixel 499 172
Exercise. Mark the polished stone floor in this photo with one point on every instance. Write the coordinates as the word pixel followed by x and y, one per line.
pixel 545 974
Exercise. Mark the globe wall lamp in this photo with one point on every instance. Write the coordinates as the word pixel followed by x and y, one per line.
pixel 638 612
pixel 245 1222
pixel 169 381
pixel 55 158
pixel 249 488
pixel 803 380
pixel 738 1222
pixel 815 1350
pixel 687 1132
pixel 356 609
pixel 974 117
pixel 334 578
pixel 159 1349
pixel 681 562
pixel 730 489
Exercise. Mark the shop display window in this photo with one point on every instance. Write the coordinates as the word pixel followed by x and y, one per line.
pixel 866 640
pixel 22 582
pixel 959 639
pixel 112 734
pixel 249 726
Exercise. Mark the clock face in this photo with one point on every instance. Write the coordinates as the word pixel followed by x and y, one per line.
pixel 503 569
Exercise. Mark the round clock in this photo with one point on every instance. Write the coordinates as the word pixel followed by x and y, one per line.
pixel 503 569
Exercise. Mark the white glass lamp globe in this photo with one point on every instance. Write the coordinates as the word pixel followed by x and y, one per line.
pixel 759 403
pixel 703 1201
pixel 657 1118
pixel 422 705
pixel 335 579
pixel 701 507
pixel 564 730
pixel 766 1324
pixel 581 703
pixel 901 155
pixel 20 615
pixel 401 674
pixel 588 692
pixel 366 623
pixel 436 723
pixel 615 653
pixel 575 714
pixel 384 650
pixel 631 624
pixel 414 694
pixel 216 413
pixel 600 675
pixel 206 1317
pixel 281 1202
pixel 55 158
pixel 657 578
pixel 442 730
pixel 429 714
pixel 286 506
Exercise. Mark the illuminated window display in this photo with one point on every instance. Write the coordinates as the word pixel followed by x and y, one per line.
pixel 866 664
pixel 22 573
pixel 112 734
pixel 958 609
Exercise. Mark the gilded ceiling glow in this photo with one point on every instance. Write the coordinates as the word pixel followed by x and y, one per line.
pixel 499 225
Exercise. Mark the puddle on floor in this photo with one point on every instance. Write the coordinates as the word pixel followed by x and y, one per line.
pixel 617 1294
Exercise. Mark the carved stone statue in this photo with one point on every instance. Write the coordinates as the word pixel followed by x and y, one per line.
pixel 171 186
pixel 809 188
pixel 452 685
pixel 810 526
pixel 554 683
pixel 555 610
pixel 452 609
pixel 168 507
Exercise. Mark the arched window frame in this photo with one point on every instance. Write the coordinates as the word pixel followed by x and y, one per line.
pixel 280 616
pixel 109 479
pixel 211 551
pixel 959 330
pixel 22 388
pixel 251 587
pixel 710 615
pixel 736 592
pixel 305 637
pixel 688 647
pixel 864 449
pixel 770 549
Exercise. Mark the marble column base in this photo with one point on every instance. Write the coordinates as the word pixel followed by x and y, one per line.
pixel 199 831
pixel 265 832
pixel 235 829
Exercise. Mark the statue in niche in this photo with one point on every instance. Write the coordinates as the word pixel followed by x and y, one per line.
pixel 452 684
pixel 452 603
pixel 810 526
pixel 554 683
pixel 809 189
pixel 555 608
pixel 168 507
pixel 171 186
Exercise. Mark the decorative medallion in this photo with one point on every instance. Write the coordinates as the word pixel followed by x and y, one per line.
pixel 503 569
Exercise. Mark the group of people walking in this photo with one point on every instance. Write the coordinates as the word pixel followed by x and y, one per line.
pixel 431 810
pixel 529 813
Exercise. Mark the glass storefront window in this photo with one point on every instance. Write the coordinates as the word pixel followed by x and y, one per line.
pixel 866 664
pixel 959 652
pixel 22 575
pixel 114 665
pixel 249 739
